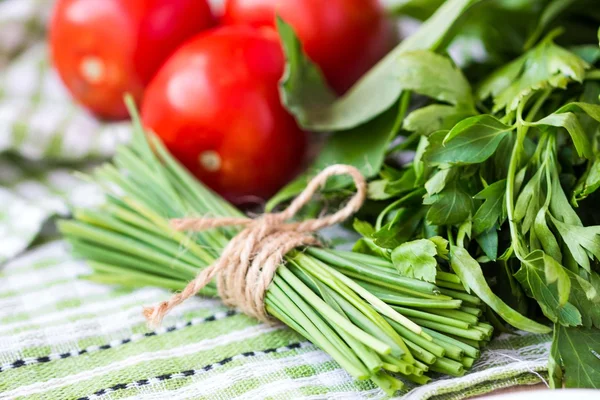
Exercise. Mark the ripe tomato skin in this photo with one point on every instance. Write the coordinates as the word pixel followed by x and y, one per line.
pixel 215 104
pixel 344 37
pixel 103 49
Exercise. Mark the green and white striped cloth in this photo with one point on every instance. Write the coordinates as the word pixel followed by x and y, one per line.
pixel 62 337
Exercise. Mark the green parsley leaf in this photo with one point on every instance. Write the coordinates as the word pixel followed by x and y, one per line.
pixel 471 141
pixel 533 276
pixel 434 117
pixel 469 272
pixel 579 350
pixel 528 202
pixel 452 206
pixel 363 227
pixel 583 242
pixel 559 204
pixel 586 297
pixel 592 110
pixel 545 236
pixel 438 181
pixel 416 259
pixel 488 241
pixel 555 273
pixel 554 362
pixel 570 122
pixel 400 229
pixel 302 84
pixel 546 65
pixel 376 190
pixel 404 184
pixel 492 209
pixel 441 246
pixel 589 182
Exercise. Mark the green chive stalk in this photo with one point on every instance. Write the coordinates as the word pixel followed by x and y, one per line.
pixel 375 323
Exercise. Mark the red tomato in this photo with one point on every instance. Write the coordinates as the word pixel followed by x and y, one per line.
pixel 105 48
pixel 344 37
pixel 215 104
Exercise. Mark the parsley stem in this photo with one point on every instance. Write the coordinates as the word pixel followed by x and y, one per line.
pixel 522 129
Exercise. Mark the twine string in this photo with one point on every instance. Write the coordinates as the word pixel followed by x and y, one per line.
pixel 250 260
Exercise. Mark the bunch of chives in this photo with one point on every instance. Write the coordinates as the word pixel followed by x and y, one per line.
pixel 373 322
pixel 449 315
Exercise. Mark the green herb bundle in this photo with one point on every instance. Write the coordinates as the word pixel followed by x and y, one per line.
pixel 380 322
pixel 506 165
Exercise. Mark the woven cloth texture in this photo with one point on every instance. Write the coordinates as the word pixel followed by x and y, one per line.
pixel 62 337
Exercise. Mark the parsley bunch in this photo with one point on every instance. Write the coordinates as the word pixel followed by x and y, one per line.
pixel 504 170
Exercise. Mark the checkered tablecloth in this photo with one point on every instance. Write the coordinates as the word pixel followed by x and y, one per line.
pixel 62 337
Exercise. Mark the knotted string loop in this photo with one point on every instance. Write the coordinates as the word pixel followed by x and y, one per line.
pixel 250 260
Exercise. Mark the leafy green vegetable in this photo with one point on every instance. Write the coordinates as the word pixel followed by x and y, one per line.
pixel 545 66
pixel 363 227
pixel 554 362
pixel 570 122
pixel 435 117
pixel 403 184
pixel 471 141
pixel 583 242
pixel 416 68
pixel 302 82
pixel 382 85
pixel 441 246
pixel 507 178
pixel 438 181
pixel 579 350
pixel 589 183
pixel 416 259
pixel 536 273
pixel 492 210
pixel 472 277
pixel 400 229
pixel 593 110
pixel 451 206
pixel 585 295
pixel 554 272
pixel 545 236
pixel 376 190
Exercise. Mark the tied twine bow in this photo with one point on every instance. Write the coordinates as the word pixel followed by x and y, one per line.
pixel 248 263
